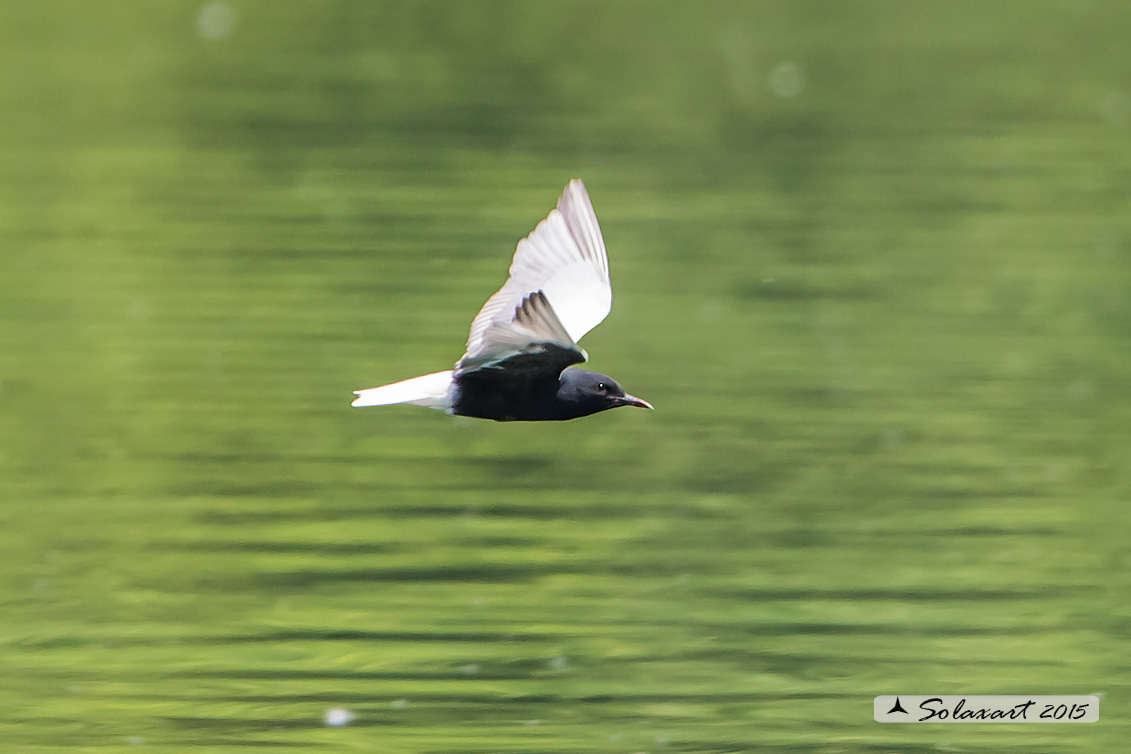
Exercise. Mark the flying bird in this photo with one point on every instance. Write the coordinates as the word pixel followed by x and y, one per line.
pixel 523 343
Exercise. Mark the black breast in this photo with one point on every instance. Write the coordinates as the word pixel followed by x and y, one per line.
pixel 505 398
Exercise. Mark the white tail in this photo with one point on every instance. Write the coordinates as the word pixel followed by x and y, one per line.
pixel 431 390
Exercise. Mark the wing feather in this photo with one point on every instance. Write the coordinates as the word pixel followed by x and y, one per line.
pixel 558 288
pixel 534 329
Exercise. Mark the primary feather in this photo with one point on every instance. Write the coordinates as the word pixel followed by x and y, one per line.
pixel 564 260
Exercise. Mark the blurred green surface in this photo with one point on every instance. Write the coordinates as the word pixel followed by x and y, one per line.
pixel 872 264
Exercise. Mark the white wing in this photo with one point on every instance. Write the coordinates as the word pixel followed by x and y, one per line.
pixel 564 258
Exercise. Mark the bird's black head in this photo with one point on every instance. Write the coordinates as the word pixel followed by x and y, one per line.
pixel 581 393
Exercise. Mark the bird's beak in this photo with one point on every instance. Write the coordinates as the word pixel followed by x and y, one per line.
pixel 631 400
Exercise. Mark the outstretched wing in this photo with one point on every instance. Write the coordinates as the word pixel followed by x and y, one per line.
pixel 557 291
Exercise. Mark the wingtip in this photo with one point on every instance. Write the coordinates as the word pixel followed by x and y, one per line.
pixel 577 186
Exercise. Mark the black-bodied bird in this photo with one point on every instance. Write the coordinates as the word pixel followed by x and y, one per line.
pixel 523 342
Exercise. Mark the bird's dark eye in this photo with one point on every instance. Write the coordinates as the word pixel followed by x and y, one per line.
pixel 602 387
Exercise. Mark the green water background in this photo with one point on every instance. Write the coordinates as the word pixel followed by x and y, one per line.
pixel 872 264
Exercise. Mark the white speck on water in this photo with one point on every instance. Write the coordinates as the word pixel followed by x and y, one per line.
pixel 216 20
pixel 398 703
pixel 134 740
pixel 787 80
pixel 335 717
pixel 531 723
pixel 559 663
pixel 470 669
